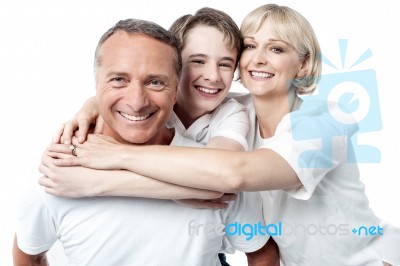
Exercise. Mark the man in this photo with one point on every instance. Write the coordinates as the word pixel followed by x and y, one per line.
pixel 137 67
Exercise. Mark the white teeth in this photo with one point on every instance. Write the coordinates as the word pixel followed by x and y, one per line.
pixel 133 117
pixel 261 74
pixel 210 91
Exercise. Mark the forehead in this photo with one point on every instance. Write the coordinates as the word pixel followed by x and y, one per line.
pixel 207 39
pixel 124 51
pixel 266 29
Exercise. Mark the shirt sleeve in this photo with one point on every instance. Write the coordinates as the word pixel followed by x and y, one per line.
pixel 313 142
pixel 35 228
pixel 230 120
pixel 245 226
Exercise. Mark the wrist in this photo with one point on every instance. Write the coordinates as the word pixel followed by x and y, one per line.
pixel 126 157
pixel 100 187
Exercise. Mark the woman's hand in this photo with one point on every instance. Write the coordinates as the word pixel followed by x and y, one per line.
pixel 80 124
pixel 97 152
pixel 219 203
pixel 75 182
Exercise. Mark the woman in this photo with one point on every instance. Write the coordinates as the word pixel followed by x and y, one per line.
pixel 317 194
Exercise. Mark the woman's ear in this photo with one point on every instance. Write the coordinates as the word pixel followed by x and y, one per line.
pixel 303 67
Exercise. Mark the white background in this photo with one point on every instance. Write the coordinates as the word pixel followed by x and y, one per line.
pixel 46 54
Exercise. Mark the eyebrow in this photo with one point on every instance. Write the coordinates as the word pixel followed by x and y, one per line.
pixel 158 76
pixel 116 73
pixel 269 40
pixel 228 58
pixel 148 76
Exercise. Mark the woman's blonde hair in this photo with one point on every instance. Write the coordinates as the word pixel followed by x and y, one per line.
pixel 291 27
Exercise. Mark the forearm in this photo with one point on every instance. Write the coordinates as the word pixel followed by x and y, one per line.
pixel 211 169
pixel 129 184
pixel 22 259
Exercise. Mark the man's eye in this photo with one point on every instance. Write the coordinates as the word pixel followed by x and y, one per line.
pixel 117 79
pixel 156 82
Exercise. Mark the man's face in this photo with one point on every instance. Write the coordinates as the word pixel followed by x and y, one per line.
pixel 136 86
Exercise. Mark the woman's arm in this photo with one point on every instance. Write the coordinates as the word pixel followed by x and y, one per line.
pixel 209 169
pixel 213 169
pixel 86 182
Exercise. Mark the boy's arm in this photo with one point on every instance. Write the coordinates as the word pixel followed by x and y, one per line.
pixel 268 255
pixel 225 144
pixel 22 259
pixel 229 126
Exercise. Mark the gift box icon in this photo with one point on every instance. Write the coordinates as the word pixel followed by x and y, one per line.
pixel 353 95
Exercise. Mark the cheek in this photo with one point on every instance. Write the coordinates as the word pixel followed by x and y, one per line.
pixel 245 59
pixel 189 75
pixel 227 78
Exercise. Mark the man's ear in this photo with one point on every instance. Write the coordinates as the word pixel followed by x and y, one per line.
pixel 303 67
pixel 176 92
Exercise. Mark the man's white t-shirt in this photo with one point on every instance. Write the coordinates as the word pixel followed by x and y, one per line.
pixel 134 231
pixel 319 217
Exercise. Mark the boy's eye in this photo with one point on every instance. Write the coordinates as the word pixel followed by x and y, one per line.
pixel 198 61
pixel 226 65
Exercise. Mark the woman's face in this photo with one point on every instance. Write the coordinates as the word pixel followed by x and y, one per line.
pixel 268 64
pixel 208 68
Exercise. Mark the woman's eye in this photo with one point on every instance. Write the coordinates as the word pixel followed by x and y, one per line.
pixel 276 49
pixel 248 46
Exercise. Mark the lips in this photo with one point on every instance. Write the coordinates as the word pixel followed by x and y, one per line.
pixel 260 74
pixel 207 90
pixel 135 117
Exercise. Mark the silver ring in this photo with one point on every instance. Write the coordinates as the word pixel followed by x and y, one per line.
pixel 73 149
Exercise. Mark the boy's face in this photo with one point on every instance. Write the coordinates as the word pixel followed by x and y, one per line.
pixel 208 69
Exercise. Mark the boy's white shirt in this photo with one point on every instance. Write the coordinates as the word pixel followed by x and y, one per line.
pixel 228 120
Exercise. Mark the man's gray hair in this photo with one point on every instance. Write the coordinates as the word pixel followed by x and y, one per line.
pixel 148 28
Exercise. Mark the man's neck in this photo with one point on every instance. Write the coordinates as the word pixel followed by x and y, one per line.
pixel 163 137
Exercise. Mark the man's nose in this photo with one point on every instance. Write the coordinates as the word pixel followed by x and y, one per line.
pixel 137 97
